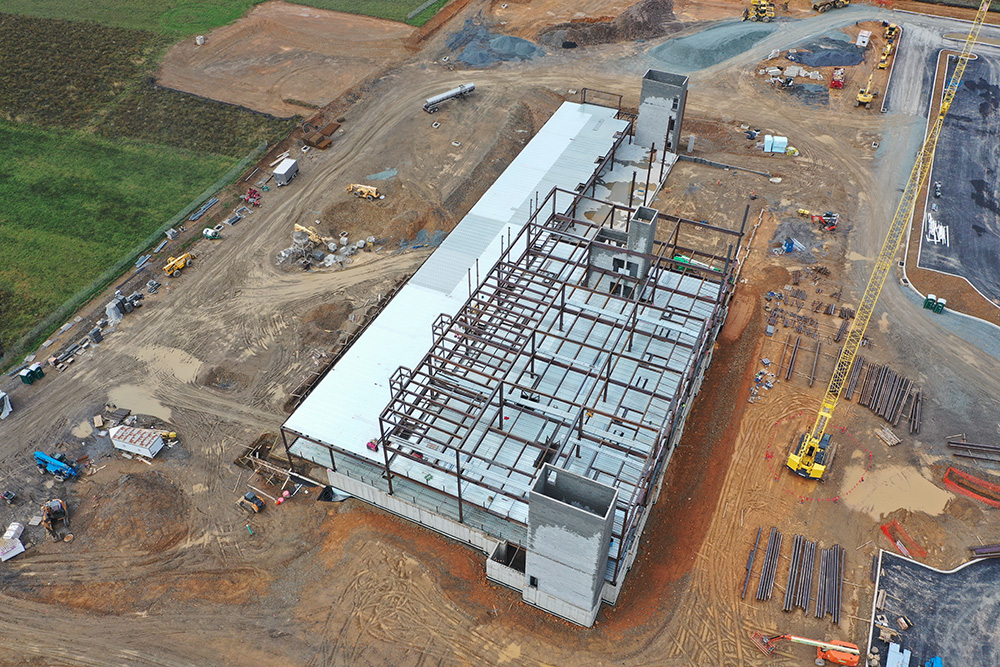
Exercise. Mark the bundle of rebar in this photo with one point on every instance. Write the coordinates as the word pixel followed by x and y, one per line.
pixel 831 583
pixel 770 568
pixel 918 401
pixel 791 360
pixel 841 332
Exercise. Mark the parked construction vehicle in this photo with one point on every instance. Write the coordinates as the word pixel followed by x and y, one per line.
pixel 891 30
pixel 314 236
pixel 53 512
pixel 883 61
pixel 250 502
pixel 369 192
pixel 866 94
pixel 828 220
pixel 837 652
pixel 802 460
pixel 211 233
pixel 432 103
pixel 759 10
pixel 837 78
pixel 826 5
pixel 175 264
pixel 56 465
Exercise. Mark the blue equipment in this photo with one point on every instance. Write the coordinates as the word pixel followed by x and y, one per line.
pixel 57 467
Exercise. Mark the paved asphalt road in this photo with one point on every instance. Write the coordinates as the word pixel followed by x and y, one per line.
pixel 966 164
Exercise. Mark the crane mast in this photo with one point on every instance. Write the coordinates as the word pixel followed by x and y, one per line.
pixel 812 456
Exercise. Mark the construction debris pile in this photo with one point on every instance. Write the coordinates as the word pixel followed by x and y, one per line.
pixel 310 249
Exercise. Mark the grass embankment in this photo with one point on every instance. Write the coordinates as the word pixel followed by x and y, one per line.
pixel 94 158
pixel 181 18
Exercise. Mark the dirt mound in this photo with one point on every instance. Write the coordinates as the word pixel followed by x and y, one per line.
pixel 476 46
pixel 223 378
pixel 322 323
pixel 645 20
pixel 143 511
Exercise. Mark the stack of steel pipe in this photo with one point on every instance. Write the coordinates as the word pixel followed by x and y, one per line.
pixel 831 583
pixel 986 551
pixel 975 451
pixel 884 392
pixel 918 402
pixel 750 560
pixel 806 566
pixel 852 377
pixel 841 332
pixel 791 588
pixel 791 360
pixel 771 557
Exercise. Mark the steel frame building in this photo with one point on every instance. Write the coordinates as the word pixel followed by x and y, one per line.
pixel 539 423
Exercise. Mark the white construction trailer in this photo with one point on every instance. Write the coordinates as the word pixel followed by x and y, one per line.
pixel 142 441
pixel 286 171
pixel 5 408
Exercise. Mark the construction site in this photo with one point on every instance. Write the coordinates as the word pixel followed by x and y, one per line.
pixel 620 333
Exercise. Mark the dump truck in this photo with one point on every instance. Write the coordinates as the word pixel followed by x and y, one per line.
pixel 826 5
pixel 369 192
pixel 174 264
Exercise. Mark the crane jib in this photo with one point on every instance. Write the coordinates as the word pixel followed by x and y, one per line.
pixel 801 460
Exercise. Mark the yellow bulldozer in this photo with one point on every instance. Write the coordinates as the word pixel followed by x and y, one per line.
pixel 175 264
pixel 368 192
pixel 866 94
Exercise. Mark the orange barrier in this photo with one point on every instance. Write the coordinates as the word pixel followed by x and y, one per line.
pixel 898 536
pixel 967 485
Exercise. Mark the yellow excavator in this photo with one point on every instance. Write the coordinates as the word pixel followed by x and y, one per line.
pixel 809 458
pixel 175 264
pixel 866 94
pixel 314 236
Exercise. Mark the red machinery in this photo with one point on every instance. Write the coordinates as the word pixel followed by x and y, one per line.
pixel 828 220
pixel 837 81
pixel 837 652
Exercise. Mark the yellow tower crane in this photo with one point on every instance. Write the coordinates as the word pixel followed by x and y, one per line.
pixel 813 454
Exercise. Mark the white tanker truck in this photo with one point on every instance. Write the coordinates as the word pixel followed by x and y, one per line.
pixel 431 105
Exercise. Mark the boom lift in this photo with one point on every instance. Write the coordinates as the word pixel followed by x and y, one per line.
pixel 175 264
pixel 804 460
pixel 837 652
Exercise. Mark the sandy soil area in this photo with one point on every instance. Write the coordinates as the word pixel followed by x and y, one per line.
pixel 280 55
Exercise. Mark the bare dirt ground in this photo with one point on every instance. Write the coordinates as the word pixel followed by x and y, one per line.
pixel 281 55
pixel 165 571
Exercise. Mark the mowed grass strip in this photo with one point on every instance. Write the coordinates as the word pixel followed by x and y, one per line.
pixel 182 18
pixel 74 204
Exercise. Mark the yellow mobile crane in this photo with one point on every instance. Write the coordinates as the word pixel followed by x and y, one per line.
pixel 813 454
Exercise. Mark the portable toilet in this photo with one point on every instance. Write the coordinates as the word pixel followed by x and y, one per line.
pixel 929 302
pixel 142 441
pixel 768 143
pixel 939 306
pixel 286 171
pixel 27 376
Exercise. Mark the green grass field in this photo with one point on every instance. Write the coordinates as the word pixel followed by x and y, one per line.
pixel 180 18
pixel 74 204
